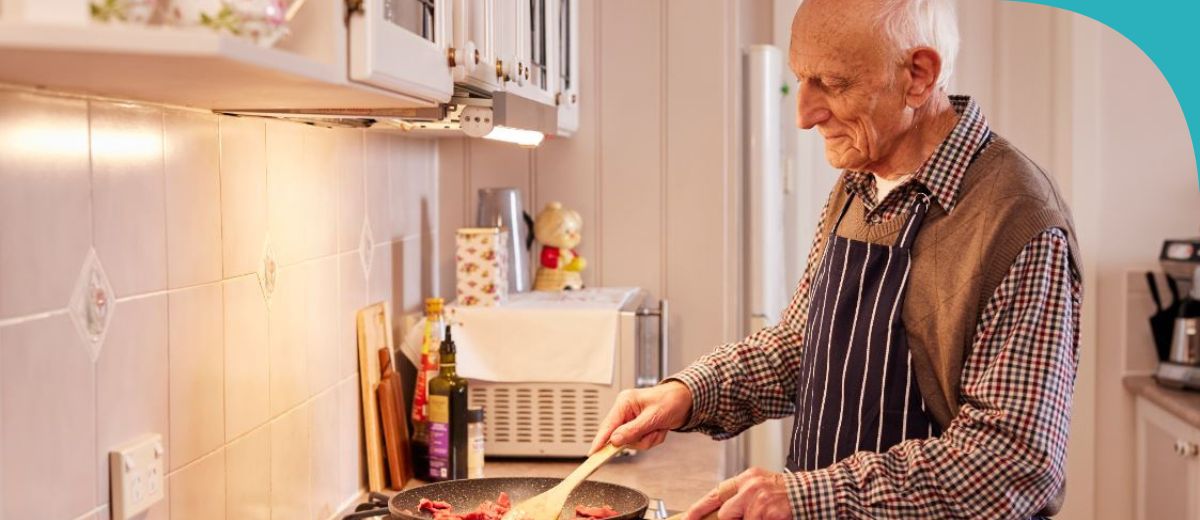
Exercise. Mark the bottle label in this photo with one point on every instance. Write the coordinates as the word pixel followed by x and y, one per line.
pixel 439 437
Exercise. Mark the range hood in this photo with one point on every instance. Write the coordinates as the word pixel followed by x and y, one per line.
pixel 502 116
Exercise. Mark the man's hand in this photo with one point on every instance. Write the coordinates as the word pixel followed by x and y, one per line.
pixel 756 494
pixel 641 418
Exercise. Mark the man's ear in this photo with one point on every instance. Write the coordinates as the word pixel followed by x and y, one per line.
pixel 924 67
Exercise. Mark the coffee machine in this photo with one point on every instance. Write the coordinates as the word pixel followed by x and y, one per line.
pixel 1180 367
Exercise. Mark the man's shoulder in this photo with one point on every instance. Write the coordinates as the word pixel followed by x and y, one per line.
pixel 1005 175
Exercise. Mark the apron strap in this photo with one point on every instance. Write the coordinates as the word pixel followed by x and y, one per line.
pixel 916 216
pixel 842 215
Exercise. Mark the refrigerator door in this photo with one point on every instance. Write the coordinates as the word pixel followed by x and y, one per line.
pixel 767 291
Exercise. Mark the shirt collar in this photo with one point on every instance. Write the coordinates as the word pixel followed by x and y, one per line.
pixel 943 172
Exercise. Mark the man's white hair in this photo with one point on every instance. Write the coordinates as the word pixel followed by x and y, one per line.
pixel 923 23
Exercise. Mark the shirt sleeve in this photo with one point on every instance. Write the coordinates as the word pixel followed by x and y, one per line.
pixel 1003 455
pixel 742 384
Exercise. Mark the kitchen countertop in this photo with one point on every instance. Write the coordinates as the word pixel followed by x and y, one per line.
pixel 1181 403
pixel 679 471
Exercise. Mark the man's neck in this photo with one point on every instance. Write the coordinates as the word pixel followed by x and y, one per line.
pixel 932 124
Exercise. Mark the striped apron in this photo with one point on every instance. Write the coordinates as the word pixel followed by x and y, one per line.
pixel 856 389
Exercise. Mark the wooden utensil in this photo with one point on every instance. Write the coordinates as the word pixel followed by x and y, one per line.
pixel 549 504
pixel 395 426
pixel 374 332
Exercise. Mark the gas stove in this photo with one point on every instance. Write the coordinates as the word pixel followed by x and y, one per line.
pixel 376 508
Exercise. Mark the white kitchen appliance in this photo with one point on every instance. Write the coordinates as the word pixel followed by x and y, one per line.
pixel 1180 260
pixel 559 419
pixel 767 290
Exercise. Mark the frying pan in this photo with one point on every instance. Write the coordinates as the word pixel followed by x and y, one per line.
pixel 465 495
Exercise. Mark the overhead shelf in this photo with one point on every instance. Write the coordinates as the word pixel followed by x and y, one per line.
pixel 189 67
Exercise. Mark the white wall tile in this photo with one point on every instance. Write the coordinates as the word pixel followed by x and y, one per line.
pixel 45 200
pixel 452 208
pixel 288 339
pixel 248 476
pixel 198 490
pixel 321 324
pixel 196 373
pixel 128 205
pixel 348 157
pixel 191 159
pixel 415 257
pixel 326 462
pixel 243 193
pixel 247 360
pixel 234 374
pixel 379 284
pixel 131 380
pixel 291 466
pixel 412 167
pixel 301 191
pixel 48 437
pixel 378 185
pixel 352 293
pixel 350 435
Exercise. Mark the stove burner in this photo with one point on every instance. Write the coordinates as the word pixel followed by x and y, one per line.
pixel 376 506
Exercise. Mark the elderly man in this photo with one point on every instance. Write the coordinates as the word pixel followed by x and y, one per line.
pixel 928 356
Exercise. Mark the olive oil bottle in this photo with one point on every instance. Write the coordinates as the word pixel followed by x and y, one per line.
pixel 447 418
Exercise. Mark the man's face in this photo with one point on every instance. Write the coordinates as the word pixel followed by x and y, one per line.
pixel 850 88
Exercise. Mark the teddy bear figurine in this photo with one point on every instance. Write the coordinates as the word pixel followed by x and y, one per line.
pixel 559 231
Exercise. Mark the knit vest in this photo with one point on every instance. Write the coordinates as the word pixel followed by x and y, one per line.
pixel 960 258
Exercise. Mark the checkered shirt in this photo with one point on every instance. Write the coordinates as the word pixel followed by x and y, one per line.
pixel 1003 455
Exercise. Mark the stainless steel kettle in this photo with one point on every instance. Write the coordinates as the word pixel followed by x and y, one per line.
pixel 502 208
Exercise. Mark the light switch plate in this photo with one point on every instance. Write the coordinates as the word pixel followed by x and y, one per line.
pixel 136 473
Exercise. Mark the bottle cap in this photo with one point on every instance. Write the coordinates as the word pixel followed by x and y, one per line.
pixel 474 415
pixel 433 306
pixel 448 343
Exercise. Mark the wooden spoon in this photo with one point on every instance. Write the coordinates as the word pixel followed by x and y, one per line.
pixel 549 504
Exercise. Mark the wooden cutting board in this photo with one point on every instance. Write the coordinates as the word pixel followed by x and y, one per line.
pixel 395 426
pixel 374 333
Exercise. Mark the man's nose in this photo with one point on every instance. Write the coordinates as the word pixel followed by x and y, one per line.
pixel 811 108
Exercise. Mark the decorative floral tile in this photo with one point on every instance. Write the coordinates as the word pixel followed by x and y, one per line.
pixel 268 271
pixel 366 245
pixel 91 305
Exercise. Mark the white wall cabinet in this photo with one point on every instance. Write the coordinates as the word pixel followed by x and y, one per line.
pixel 474 54
pixel 1168 465
pixel 401 45
pixel 527 43
pixel 568 66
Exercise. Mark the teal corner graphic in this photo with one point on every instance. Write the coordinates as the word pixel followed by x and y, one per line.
pixel 1166 31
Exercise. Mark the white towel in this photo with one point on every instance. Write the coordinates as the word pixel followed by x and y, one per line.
pixel 537 337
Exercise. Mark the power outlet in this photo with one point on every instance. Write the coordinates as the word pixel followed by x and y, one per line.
pixel 136 475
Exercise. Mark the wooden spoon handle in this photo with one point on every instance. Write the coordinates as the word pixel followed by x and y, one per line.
pixel 589 466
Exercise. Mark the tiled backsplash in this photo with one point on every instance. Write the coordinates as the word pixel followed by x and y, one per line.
pixel 172 271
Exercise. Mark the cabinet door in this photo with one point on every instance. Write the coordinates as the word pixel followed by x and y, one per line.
pixel 1168 471
pixel 533 72
pixel 400 45
pixel 568 66
pixel 475 44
